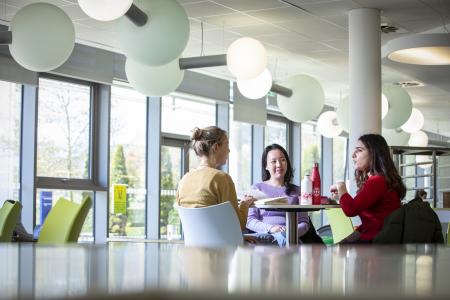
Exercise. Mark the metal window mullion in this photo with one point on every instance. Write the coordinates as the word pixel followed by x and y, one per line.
pixel 257 150
pixel 28 146
pixel 153 169
pixel 223 121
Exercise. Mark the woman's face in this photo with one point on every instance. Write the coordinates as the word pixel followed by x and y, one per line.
pixel 276 164
pixel 361 157
pixel 221 152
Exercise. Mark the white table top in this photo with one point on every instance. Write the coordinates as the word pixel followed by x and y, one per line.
pixel 296 207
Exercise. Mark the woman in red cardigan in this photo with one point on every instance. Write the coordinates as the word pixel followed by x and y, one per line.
pixel 380 187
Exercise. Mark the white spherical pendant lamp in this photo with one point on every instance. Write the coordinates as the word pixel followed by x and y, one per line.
pixel 162 39
pixel 105 10
pixel 342 114
pixel 400 106
pixel 246 58
pixel 395 137
pixel 328 125
pixel 154 81
pixel 307 99
pixel 256 88
pixel 415 121
pixel 384 106
pixel 418 139
pixel 43 37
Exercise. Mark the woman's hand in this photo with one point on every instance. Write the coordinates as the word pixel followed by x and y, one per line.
pixel 247 200
pixel 277 228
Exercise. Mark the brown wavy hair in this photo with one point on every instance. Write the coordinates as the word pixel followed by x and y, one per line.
pixel 381 163
pixel 203 139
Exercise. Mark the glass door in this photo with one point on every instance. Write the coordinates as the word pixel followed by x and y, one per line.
pixel 174 164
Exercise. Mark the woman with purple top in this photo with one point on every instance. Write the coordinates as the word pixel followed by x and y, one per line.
pixel 277 174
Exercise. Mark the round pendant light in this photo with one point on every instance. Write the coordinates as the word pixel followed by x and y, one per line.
pixel 162 39
pixel 418 139
pixel 400 106
pixel 328 125
pixel 246 58
pixel 307 99
pixel 384 106
pixel 105 10
pixel 154 81
pixel 43 37
pixel 256 88
pixel 395 137
pixel 415 121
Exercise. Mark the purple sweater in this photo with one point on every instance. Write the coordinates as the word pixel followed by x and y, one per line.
pixel 261 220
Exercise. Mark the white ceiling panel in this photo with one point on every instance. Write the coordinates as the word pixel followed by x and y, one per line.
pixel 247 5
pixel 205 9
pixel 232 20
pixel 258 30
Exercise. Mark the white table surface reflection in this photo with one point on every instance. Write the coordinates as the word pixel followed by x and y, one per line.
pixel 33 271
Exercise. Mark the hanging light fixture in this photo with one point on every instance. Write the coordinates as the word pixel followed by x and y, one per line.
pixel 306 101
pixel 384 106
pixel 105 10
pixel 395 137
pixel 400 106
pixel 328 125
pixel 419 49
pixel 418 139
pixel 256 88
pixel 415 121
pixel 246 58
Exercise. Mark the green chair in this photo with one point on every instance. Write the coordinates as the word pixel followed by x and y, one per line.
pixel 341 225
pixel 448 234
pixel 64 222
pixel 9 215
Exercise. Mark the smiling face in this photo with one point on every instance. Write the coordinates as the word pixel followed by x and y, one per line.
pixel 361 157
pixel 276 164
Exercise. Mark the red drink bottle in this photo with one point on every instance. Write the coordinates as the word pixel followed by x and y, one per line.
pixel 315 178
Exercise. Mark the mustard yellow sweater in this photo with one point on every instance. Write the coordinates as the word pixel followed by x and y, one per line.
pixel 208 186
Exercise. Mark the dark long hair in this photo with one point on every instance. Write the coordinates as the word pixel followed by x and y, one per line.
pixel 381 163
pixel 289 171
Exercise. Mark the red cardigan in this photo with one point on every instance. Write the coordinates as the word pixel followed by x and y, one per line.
pixel 373 203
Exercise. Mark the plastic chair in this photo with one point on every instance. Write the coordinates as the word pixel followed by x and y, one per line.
pixel 9 215
pixel 341 225
pixel 448 234
pixel 211 226
pixel 64 222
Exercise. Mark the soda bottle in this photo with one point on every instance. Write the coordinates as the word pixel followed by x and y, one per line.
pixel 306 191
pixel 315 178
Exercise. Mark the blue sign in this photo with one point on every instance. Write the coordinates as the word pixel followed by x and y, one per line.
pixel 46 204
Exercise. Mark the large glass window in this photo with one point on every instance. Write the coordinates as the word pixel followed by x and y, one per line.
pixel 275 133
pixel 127 163
pixel 240 163
pixel 339 158
pixel 63 129
pixel 180 116
pixel 311 147
pixel 10 103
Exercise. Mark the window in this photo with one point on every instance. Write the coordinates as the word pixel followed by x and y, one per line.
pixel 127 163
pixel 10 102
pixel 311 147
pixel 180 116
pixel 275 133
pixel 63 129
pixel 339 158
pixel 240 162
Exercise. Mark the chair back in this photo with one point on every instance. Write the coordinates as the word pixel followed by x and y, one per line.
pixel 9 215
pixel 341 225
pixel 212 226
pixel 64 222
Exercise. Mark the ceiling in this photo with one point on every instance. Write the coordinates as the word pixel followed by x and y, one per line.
pixel 301 36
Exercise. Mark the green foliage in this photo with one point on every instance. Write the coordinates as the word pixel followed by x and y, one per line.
pixel 310 156
pixel 119 172
pixel 167 211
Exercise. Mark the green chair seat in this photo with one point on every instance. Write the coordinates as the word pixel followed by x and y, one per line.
pixel 9 215
pixel 64 222
pixel 341 225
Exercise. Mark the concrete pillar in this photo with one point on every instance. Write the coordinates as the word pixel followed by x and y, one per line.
pixel 364 75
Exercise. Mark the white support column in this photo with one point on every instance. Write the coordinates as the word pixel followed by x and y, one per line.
pixel 365 75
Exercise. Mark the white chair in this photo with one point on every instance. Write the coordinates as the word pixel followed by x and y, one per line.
pixel 212 226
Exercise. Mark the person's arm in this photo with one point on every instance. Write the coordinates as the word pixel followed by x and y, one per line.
pixel 254 222
pixel 371 192
pixel 303 223
pixel 227 192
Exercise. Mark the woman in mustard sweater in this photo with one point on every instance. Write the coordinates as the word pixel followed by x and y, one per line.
pixel 207 185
